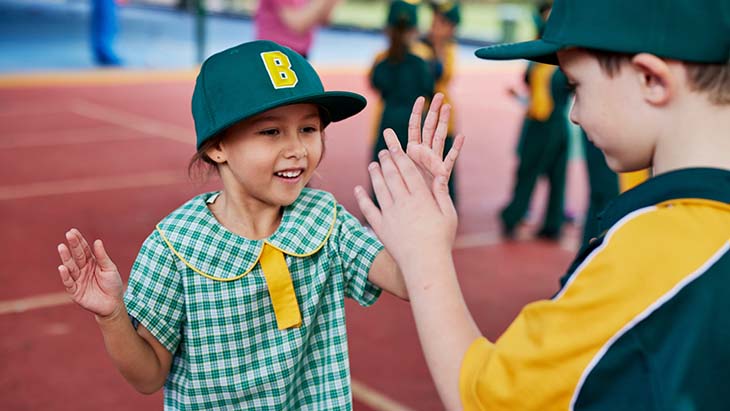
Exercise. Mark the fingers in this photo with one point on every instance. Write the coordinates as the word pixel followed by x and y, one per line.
pixel 68 261
pixel 66 279
pixel 368 208
pixel 102 258
pixel 442 130
pixel 414 122
pixel 379 187
pixel 453 154
pixel 401 174
pixel 432 119
pixel 77 251
pixel 84 244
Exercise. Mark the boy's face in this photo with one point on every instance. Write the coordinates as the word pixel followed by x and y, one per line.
pixel 610 110
pixel 271 157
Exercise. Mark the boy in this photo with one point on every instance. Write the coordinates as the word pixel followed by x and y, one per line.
pixel 639 323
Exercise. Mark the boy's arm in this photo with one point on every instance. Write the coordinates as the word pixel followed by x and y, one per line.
pixel 93 282
pixel 385 274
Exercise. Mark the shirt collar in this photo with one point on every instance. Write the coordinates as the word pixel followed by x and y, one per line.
pixel 203 244
pixel 697 183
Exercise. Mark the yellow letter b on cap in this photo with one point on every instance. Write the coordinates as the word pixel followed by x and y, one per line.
pixel 279 68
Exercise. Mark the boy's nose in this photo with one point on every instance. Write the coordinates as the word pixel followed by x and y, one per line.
pixel 573 112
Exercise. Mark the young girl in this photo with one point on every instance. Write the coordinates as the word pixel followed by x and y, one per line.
pixel 236 299
pixel 399 75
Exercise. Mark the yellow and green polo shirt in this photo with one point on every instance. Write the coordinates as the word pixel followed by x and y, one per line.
pixel 641 321
pixel 254 324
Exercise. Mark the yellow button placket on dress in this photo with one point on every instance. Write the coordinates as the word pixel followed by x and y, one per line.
pixel 281 288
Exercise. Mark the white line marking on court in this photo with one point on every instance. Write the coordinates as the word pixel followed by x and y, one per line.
pixel 82 185
pixel 65 137
pixel 374 399
pixel 132 121
pixel 35 302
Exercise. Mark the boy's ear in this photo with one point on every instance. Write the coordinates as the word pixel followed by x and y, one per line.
pixel 656 81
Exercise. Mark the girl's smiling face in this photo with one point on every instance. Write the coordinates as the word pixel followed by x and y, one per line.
pixel 269 158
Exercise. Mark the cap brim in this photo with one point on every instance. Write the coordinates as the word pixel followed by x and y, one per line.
pixel 535 50
pixel 339 104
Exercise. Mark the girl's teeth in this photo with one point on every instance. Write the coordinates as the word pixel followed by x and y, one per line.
pixel 289 174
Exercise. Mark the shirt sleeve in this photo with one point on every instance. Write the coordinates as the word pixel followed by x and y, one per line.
pixel 543 359
pixel 357 249
pixel 154 296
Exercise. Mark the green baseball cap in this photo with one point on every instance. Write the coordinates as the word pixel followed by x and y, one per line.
pixel 403 13
pixel 253 77
pixel 449 9
pixel 688 30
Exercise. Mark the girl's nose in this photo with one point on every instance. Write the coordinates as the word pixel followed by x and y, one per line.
pixel 296 148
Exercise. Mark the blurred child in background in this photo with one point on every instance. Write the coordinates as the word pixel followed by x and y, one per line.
pixel 439 48
pixel 398 74
pixel 542 148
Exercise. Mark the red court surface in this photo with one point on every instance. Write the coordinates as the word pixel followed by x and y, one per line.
pixel 107 153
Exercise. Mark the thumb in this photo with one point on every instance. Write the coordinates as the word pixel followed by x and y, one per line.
pixel 441 194
pixel 105 263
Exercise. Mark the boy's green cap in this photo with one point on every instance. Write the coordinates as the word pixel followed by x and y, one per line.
pixel 253 77
pixel 403 13
pixel 688 30
pixel 449 9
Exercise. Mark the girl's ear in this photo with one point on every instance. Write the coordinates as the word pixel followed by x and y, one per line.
pixel 216 153
pixel 658 84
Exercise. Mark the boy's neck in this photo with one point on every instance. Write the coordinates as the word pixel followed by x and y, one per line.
pixel 698 135
pixel 250 219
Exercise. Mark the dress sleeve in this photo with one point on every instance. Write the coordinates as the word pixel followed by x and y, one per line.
pixel 155 296
pixel 357 249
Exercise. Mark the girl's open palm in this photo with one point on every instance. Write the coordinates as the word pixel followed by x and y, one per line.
pixel 90 277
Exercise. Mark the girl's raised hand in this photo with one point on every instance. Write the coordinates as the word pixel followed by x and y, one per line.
pixel 426 147
pixel 90 277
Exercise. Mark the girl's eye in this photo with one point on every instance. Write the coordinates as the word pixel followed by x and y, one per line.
pixel 270 132
pixel 309 129
pixel 572 86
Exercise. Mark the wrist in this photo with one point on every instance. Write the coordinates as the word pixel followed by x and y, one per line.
pixel 118 312
pixel 429 268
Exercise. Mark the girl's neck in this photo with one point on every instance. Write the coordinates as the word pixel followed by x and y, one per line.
pixel 240 215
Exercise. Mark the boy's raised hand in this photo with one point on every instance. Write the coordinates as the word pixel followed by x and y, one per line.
pixel 90 277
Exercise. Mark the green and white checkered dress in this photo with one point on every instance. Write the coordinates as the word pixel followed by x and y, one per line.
pixel 200 291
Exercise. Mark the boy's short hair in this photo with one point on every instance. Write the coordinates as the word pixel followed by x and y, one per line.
pixel 248 79
pixel 694 31
pixel 712 79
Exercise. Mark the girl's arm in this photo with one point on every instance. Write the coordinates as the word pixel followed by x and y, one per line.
pixel 93 282
pixel 417 223
pixel 385 274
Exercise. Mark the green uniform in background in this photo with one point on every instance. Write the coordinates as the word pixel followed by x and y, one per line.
pixel 399 83
pixel 542 150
